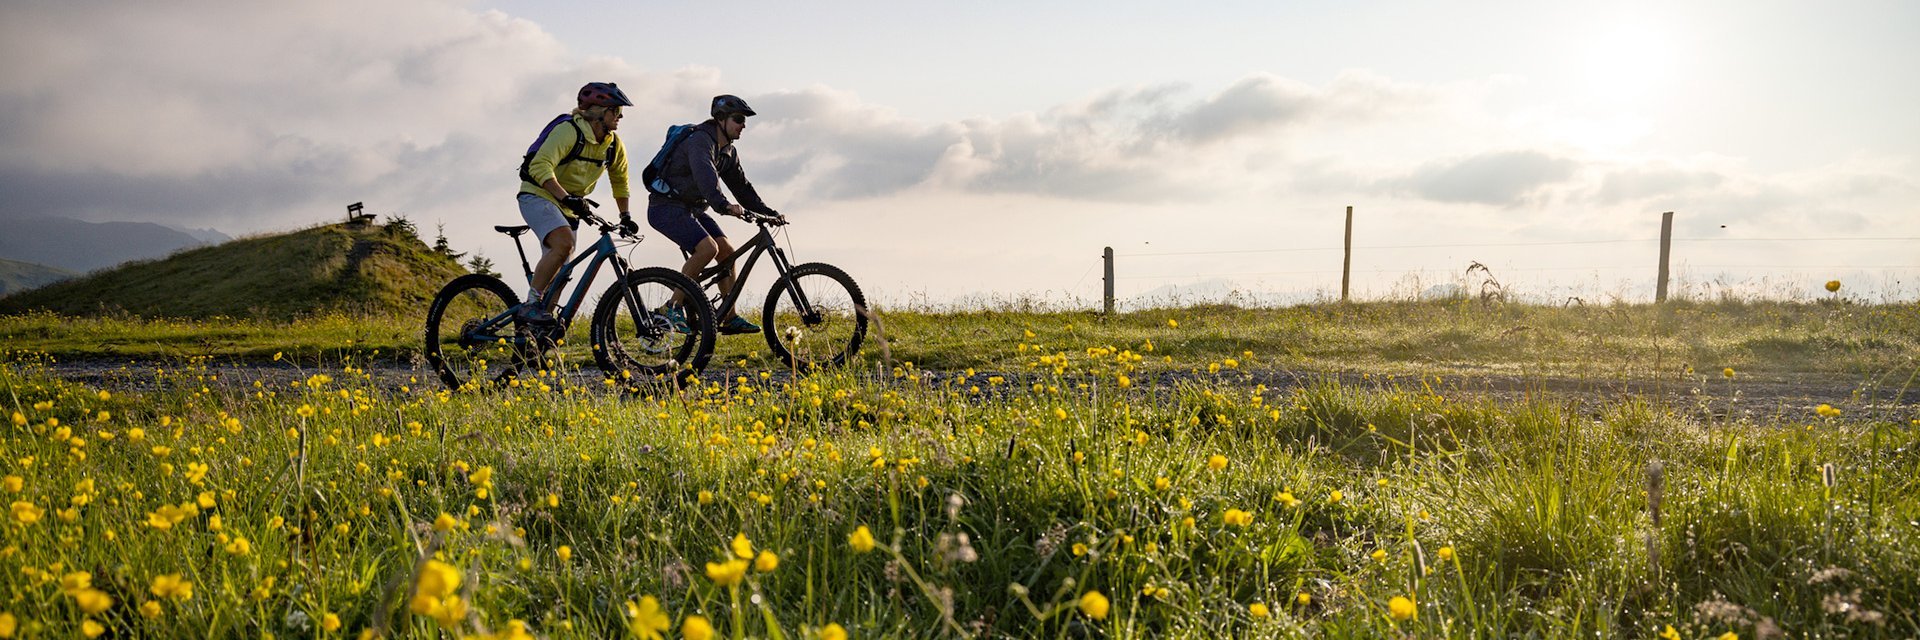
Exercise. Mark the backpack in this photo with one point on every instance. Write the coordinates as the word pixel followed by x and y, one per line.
pixel 579 146
pixel 651 176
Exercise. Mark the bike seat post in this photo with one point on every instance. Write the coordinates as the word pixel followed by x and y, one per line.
pixel 524 265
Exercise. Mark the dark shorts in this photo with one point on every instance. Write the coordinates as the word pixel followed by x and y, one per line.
pixel 684 226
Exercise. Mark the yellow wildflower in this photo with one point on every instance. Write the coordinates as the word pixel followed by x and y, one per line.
pixel 766 561
pixel 1445 553
pixel 1216 462
pixel 171 586
pixel 1093 604
pixel 696 627
pixel 150 610
pixel 1402 608
pixel 1258 610
pixel 1238 518
pixel 861 539
pixel 27 512
pixel 741 546
pixel 647 620
pixel 833 631
pixel 728 573
pixel 92 601
pixel 330 622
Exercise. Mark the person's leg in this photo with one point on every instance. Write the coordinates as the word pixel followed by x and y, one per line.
pixel 723 250
pixel 555 250
pixel 556 242
pixel 677 223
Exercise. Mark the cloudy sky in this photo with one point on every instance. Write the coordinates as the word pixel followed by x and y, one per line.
pixel 989 152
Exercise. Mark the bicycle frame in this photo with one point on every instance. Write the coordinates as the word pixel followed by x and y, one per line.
pixel 599 252
pixel 760 243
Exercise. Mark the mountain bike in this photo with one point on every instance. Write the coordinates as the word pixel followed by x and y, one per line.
pixel 475 333
pixel 814 316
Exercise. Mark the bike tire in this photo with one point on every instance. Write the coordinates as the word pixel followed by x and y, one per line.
pixel 456 355
pixel 641 349
pixel 829 339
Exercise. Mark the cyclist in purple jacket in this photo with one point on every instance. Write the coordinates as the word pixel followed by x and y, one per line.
pixel 695 169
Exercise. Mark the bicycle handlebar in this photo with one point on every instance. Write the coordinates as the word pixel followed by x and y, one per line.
pixel 605 227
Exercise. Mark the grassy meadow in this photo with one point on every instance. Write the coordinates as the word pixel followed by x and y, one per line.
pixel 985 474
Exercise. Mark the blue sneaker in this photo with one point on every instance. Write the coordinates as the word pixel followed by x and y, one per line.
pixel 738 325
pixel 678 319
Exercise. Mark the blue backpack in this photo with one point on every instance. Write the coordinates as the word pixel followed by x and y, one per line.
pixel 651 176
pixel 579 146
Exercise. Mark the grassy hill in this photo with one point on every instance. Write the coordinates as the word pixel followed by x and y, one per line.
pixel 368 270
pixel 18 276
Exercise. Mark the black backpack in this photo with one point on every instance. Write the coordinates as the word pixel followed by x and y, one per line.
pixel 579 146
pixel 651 176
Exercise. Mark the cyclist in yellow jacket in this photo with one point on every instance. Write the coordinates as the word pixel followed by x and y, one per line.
pixel 559 171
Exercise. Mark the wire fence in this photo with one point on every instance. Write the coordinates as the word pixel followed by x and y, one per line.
pixel 1769 275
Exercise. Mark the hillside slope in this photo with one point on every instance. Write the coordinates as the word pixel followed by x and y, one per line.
pixel 16 276
pixel 372 270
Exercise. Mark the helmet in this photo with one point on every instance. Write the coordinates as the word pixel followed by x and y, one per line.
pixel 603 94
pixel 729 104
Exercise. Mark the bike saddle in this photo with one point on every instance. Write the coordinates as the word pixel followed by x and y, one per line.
pixel 513 231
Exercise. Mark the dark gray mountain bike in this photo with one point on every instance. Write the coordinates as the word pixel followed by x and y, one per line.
pixel 814 316
pixel 475 337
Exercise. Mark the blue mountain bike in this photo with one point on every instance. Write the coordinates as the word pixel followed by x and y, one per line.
pixel 475 337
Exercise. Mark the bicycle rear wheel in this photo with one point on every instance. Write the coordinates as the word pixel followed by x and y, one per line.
pixel 472 337
pixel 827 331
pixel 633 339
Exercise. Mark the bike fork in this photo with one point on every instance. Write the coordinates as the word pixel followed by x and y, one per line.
pixel 800 302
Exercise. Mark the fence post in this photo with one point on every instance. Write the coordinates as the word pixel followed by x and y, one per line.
pixel 1107 297
pixel 1666 249
pixel 1346 264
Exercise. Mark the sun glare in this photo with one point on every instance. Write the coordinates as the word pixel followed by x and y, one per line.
pixel 1627 63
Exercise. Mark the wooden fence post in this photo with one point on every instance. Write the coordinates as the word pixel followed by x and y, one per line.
pixel 1107 297
pixel 1666 250
pixel 1346 264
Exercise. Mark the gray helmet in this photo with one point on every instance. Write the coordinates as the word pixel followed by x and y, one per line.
pixel 724 105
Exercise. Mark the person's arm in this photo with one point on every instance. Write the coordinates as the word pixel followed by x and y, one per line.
pixel 617 173
pixel 749 198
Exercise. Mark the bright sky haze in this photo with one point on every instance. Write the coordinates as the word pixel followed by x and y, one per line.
pixel 948 153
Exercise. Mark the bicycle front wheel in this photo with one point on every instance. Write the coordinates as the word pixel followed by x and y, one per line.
pixel 635 340
pixel 472 337
pixel 815 317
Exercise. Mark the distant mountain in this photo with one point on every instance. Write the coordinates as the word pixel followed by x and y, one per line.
pixel 81 246
pixel 374 270
pixel 16 276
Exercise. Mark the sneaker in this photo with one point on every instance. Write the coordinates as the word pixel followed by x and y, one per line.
pixel 678 319
pixel 535 314
pixel 738 325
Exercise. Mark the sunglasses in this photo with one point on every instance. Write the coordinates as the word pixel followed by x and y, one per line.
pixel 738 119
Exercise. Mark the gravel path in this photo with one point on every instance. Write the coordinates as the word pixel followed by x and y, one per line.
pixel 1716 398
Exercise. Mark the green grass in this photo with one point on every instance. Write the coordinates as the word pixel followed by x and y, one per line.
pixel 1495 517
pixel 1773 341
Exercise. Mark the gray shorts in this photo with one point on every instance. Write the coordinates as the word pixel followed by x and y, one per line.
pixel 544 216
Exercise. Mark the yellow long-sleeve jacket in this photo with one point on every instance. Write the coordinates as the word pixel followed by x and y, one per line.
pixel 577 177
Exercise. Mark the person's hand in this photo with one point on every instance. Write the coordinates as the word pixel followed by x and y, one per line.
pixel 628 227
pixel 576 204
pixel 737 211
